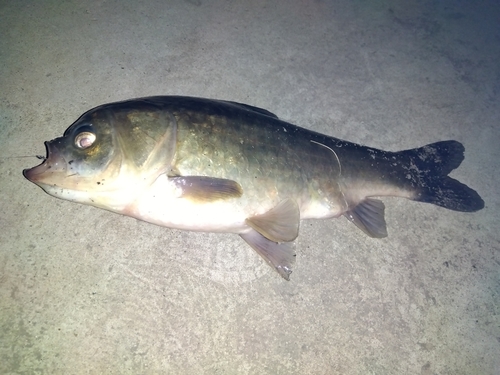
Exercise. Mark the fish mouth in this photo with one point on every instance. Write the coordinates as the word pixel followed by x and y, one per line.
pixel 54 164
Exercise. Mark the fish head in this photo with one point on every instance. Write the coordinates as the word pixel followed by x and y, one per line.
pixel 108 155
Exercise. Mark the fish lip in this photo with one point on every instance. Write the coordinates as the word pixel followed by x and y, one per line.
pixel 53 163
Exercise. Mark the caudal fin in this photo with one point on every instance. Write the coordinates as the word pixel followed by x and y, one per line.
pixel 428 174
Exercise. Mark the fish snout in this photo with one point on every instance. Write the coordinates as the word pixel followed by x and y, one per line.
pixel 53 164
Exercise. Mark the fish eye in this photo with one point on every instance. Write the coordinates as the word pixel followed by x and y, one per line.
pixel 84 140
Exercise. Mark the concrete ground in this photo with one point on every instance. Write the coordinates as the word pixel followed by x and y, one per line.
pixel 85 291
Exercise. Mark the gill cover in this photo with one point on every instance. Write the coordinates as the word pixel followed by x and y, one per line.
pixel 107 148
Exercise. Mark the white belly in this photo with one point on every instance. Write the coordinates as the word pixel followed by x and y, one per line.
pixel 163 205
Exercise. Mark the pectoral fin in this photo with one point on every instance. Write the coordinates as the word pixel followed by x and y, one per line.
pixel 369 217
pixel 280 224
pixel 280 256
pixel 207 189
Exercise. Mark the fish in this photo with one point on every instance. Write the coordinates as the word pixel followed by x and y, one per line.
pixel 219 166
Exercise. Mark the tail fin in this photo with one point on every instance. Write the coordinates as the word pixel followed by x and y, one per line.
pixel 430 166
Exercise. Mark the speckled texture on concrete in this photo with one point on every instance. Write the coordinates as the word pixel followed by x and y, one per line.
pixel 84 291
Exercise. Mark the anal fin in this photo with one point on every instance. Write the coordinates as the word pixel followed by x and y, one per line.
pixel 280 256
pixel 369 217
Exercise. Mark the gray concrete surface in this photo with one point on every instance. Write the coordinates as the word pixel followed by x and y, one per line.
pixel 84 291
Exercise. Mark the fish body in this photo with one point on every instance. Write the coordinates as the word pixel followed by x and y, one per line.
pixel 218 166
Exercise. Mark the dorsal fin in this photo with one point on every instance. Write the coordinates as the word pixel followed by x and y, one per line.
pixel 253 109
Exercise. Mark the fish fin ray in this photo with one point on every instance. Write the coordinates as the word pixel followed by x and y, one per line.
pixel 451 194
pixel 207 189
pixel 280 224
pixel 280 256
pixel 429 177
pixel 369 217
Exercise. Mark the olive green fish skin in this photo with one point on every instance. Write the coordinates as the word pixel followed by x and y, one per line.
pixel 212 165
pixel 272 160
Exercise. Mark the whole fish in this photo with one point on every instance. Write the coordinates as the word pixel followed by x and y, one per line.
pixel 219 166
